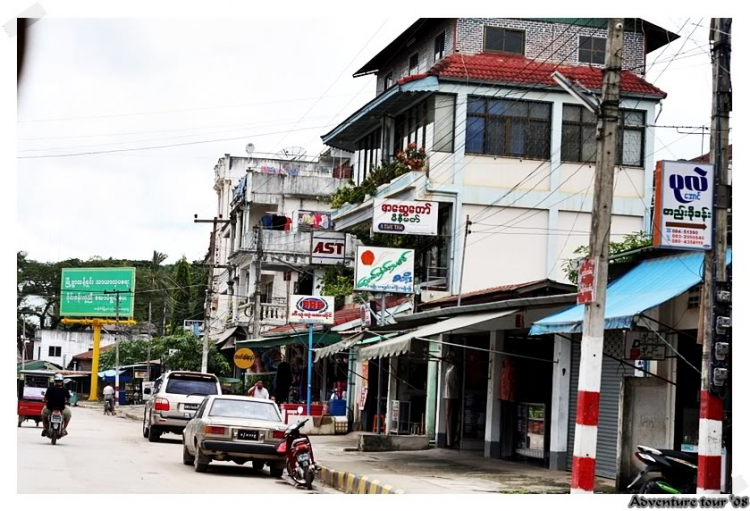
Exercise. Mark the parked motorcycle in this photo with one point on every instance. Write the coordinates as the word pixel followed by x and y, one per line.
pixel 300 462
pixel 677 471
pixel 55 428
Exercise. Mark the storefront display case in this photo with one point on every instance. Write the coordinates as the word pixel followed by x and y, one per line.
pixel 530 430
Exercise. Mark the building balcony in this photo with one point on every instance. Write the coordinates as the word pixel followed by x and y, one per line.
pixel 284 248
pixel 271 315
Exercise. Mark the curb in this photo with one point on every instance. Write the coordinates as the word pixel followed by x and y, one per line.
pixel 348 482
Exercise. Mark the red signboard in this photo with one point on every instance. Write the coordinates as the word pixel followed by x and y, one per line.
pixel 363 398
pixel 587 273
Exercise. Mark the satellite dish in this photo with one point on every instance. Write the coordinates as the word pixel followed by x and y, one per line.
pixel 250 149
pixel 292 153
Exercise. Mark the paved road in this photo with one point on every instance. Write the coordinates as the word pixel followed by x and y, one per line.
pixel 109 455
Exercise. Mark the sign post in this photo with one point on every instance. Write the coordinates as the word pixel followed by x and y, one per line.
pixel 311 310
pixel 88 296
pixel 587 274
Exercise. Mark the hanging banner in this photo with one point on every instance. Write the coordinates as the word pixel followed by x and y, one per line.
pixel 405 217
pixel 683 209
pixel 587 274
pixel 363 399
pixel 384 270
pixel 311 309
pixel 327 247
pixel 644 346
pixel 365 316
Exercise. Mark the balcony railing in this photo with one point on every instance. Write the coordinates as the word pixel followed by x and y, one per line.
pixel 271 314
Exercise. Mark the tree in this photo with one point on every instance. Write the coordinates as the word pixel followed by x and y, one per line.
pixel 182 351
pixel 630 242
pixel 182 296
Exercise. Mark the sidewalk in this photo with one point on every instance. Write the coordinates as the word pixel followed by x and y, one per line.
pixel 433 471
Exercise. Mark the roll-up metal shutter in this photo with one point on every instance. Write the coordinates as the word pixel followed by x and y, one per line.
pixel 609 404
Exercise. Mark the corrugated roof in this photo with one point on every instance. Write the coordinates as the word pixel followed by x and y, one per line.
pixel 706 158
pixel 508 288
pixel 89 355
pixel 646 286
pixel 518 70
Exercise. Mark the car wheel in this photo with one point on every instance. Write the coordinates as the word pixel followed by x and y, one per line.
pixel 277 471
pixel 153 434
pixel 258 465
pixel 145 428
pixel 201 461
pixel 187 458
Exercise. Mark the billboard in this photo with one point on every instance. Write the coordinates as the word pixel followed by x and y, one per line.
pixel 82 292
pixel 405 217
pixel 384 270
pixel 328 247
pixel 311 309
pixel 684 205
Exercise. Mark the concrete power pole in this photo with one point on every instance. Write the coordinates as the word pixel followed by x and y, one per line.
pixel 715 297
pixel 258 274
pixel 592 344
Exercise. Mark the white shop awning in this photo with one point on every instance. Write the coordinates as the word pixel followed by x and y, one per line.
pixel 402 343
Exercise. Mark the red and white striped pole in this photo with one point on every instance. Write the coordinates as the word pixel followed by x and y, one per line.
pixel 709 443
pixel 715 270
pixel 592 343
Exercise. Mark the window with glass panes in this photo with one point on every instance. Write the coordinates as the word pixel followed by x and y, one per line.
pixel 579 136
pixel 591 50
pixel 503 127
pixel 631 138
pixel 504 39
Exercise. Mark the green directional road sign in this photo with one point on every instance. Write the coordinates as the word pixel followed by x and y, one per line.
pixel 82 292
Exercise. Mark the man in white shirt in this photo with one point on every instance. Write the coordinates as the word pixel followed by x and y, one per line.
pixel 451 394
pixel 109 395
pixel 258 390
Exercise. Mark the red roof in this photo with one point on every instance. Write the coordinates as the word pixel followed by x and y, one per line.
pixel 89 355
pixel 706 158
pixel 345 315
pixel 516 69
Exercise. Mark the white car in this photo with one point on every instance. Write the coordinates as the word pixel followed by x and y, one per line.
pixel 235 428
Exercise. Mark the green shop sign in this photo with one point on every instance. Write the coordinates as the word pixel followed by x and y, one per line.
pixel 89 292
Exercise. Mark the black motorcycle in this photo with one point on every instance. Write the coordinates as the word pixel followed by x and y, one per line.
pixel 677 471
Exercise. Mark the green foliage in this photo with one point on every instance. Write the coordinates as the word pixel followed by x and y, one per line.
pixel 630 242
pixel 187 357
pixel 338 281
pixel 182 295
pixel 411 160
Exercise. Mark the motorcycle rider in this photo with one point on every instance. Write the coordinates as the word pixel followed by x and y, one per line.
pixel 57 397
pixel 109 396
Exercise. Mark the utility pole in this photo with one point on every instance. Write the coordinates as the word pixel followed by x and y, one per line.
pixel 148 346
pixel 715 294
pixel 23 344
pixel 467 231
pixel 258 269
pixel 592 344
pixel 117 293
pixel 209 288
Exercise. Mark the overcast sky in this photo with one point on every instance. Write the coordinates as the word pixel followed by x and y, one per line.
pixel 94 85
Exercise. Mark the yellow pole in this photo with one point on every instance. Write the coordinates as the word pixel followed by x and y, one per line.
pixel 95 362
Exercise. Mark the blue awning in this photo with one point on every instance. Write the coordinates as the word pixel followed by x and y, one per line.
pixel 391 102
pixel 646 286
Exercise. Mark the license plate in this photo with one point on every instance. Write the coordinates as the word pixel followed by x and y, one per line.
pixel 303 457
pixel 246 434
pixel 188 406
pixel 57 418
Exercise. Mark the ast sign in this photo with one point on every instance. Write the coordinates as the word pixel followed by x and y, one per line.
pixel 311 309
pixel 328 247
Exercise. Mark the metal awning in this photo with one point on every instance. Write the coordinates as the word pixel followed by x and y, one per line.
pixel 283 340
pixel 356 339
pixel 226 334
pixel 648 285
pixel 391 102
pixel 402 343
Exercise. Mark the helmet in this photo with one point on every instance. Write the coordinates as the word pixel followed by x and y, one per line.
pixel 59 377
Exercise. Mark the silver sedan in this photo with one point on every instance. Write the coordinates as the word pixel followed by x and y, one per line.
pixel 235 428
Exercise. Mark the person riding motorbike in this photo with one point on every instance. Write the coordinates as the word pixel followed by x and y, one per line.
pixel 109 396
pixel 57 398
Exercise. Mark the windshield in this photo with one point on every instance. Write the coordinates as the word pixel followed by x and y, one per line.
pixel 245 410
pixel 191 385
